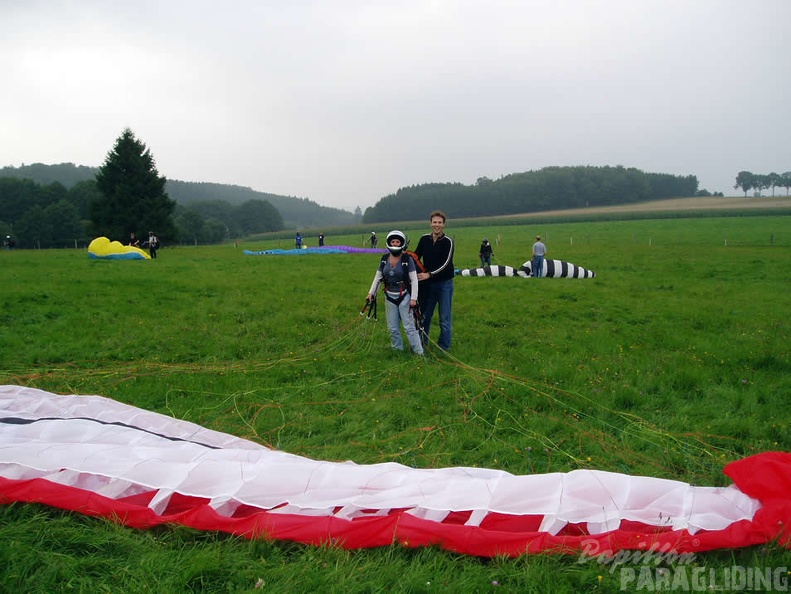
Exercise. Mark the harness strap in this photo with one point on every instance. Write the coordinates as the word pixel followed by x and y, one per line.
pixel 401 294
pixel 417 314
pixel 371 307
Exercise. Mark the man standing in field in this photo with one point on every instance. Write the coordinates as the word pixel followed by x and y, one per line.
pixel 435 250
pixel 486 253
pixel 153 245
pixel 539 251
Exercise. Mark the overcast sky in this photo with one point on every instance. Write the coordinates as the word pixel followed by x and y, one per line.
pixel 345 101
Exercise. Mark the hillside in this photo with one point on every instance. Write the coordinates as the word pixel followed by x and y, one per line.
pixel 296 212
pixel 546 189
pixel 414 202
pixel 698 203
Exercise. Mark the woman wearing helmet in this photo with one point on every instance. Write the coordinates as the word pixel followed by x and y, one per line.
pixel 398 274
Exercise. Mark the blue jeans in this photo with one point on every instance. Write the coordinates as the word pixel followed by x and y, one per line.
pixel 486 260
pixel 396 315
pixel 538 266
pixel 433 294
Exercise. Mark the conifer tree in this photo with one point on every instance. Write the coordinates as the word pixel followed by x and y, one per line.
pixel 133 196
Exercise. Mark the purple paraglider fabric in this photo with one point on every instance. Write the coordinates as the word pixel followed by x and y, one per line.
pixel 327 249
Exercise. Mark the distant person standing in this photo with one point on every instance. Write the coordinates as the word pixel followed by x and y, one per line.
pixel 321 239
pixel 435 250
pixel 539 252
pixel 298 240
pixel 153 245
pixel 134 241
pixel 486 253
pixel 374 240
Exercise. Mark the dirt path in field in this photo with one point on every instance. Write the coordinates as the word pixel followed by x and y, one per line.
pixel 679 204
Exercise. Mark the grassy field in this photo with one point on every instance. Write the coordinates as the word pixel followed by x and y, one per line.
pixel 672 362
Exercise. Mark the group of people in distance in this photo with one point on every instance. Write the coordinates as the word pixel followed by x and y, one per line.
pixel 299 243
pixel 152 243
pixel 537 259
pixel 406 287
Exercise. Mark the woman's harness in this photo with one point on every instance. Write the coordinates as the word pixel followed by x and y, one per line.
pixel 401 287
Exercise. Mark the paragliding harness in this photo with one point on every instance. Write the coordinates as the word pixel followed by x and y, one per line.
pixel 403 286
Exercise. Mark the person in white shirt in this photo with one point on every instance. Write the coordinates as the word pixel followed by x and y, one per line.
pixel 539 252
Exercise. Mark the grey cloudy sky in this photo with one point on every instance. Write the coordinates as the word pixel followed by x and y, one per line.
pixel 345 101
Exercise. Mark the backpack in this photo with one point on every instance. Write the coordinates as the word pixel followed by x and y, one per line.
pixel 418 264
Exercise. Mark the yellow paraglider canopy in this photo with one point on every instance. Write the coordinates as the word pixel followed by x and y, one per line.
pixel 103 248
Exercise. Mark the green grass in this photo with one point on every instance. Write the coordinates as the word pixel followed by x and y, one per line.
pixel 672 362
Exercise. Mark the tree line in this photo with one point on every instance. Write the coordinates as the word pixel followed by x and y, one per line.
pixel 758 182
pixel 69 205
pixel 551 188
pixel 37 215
pixel 126 195
pixel 296 212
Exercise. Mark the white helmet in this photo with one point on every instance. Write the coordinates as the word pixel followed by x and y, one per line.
pixel 396 234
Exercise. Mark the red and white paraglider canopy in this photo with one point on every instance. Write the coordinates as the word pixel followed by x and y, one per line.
pixel 99 457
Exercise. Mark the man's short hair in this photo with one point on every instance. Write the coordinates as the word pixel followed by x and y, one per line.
pixel 438 213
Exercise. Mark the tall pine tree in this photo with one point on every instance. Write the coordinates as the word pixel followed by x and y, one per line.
pixel 133 196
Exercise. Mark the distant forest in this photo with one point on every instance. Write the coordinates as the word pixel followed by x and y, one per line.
pixel 551 188
pixel 47 205
pixel 296 212
pixel 44 206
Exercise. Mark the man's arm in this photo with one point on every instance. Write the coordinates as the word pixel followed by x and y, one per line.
pixel 448 256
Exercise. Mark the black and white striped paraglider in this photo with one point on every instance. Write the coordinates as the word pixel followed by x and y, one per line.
pixel 557 269
pixel 495 270
pixel 551 269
